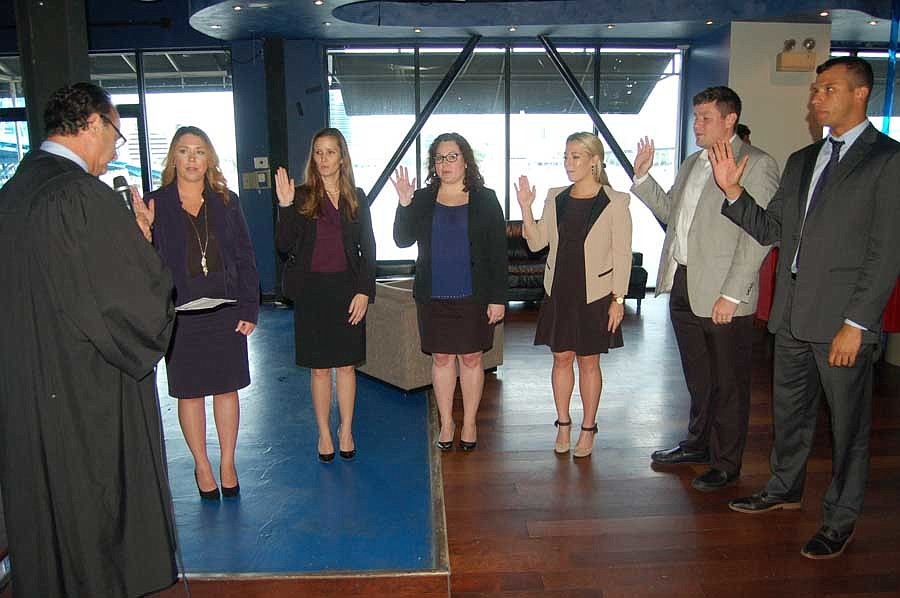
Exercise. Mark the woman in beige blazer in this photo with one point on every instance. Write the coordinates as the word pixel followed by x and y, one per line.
pixel 588 228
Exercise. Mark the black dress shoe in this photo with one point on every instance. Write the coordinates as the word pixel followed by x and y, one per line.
pixel 231 491
pixel 714 479
pixel 674 456
pixel 326 457
pixel 467 446
pixel 347 455
pixel 762 502
pixel 824 546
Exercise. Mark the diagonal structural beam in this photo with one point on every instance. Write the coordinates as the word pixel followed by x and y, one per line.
pixel 586 103
pixel 439 93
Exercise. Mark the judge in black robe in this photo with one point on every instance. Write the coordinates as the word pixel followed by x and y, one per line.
pixel 87 309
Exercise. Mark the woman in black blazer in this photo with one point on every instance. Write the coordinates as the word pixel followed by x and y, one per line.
pixel 327 236
pixel 460 284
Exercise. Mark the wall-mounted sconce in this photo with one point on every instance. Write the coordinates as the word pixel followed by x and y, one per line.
pixel 797 61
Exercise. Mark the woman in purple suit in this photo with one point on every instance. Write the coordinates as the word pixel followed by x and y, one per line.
pixel 199 231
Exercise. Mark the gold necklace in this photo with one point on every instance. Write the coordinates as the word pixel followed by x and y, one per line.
pixel 201 244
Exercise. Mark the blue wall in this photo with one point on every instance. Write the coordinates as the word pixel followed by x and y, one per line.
pixel 252 139
pixel 706 65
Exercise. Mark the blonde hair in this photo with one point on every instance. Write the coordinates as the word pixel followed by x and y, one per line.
pixel 313 186
pixel 214 177
pixel 594 147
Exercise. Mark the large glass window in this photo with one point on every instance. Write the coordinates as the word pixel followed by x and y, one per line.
pixel 372 100
pixel 474 107
pixel 13 128
pixel 543 113
pixel 879 62
pixel 180 88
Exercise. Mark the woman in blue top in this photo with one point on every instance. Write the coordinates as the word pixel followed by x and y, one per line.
pixel 460 284
pixel 199 231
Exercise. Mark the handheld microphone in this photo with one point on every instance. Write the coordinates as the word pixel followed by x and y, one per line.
pixel 121 188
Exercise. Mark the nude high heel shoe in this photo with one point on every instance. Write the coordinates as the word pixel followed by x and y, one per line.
pixel 580 453
pixel 561 448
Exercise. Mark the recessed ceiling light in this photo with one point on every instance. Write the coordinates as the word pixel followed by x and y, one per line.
pixel 238 7
pixel 512 29
pixel 215 26
pixel 710 22
pixel 318 2
pixel 610 26
pixel 417 30
pixel 873 22
pixel 326 23
pixel 824 13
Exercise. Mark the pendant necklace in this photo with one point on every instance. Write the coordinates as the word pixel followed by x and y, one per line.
pixel 203 245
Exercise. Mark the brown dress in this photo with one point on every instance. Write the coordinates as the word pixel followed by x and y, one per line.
pixel 566 322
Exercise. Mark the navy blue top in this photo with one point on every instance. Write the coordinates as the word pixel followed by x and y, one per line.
pixel 451 263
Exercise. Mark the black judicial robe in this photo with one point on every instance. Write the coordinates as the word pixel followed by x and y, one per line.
pixel 87 315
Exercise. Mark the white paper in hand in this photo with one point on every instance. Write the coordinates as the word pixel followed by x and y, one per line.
pixel 203 303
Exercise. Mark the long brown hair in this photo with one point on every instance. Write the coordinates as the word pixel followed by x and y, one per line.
pixel 473 179
pixel 313 186
pixel 214 177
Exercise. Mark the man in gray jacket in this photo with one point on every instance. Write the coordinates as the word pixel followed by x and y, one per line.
pixel 710 267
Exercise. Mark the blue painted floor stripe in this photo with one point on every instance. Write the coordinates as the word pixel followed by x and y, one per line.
pixel 295 514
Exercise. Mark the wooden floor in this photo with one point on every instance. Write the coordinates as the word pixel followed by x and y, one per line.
pixel 523 521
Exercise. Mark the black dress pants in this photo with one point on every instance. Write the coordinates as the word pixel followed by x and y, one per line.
pixel 802 376
pixel 716 360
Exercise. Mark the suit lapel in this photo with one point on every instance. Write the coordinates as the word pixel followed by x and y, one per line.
pixel 857 152
pixel 598 204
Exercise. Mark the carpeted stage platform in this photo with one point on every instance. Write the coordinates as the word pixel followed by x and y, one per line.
pixel 296 516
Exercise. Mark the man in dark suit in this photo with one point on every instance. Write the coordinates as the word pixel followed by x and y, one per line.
pixel 835 214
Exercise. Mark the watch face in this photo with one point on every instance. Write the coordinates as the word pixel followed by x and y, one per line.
pixel 620 300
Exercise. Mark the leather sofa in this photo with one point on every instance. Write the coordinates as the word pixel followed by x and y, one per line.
pixel 526 269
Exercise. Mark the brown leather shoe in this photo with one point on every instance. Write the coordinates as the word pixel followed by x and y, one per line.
pixel 762 503
pixel 823 545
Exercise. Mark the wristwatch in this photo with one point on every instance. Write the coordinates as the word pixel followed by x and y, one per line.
pixel 619 300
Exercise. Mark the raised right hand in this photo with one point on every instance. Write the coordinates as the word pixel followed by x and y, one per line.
pixel 643 160
pixel 284 187
pixel 524 194
pixel 404 188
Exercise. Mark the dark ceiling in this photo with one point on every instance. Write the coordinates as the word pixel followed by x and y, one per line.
pixel 572 19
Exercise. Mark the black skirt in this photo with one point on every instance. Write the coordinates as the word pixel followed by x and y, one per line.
pixel 454 326
pixel 207 357
pixel 323 338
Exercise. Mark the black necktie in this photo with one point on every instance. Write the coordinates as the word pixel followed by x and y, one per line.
pixel 832 164
pixel 817 191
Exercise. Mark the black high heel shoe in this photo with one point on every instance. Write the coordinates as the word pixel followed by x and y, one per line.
pixel 446 445
pixel 345 455
pixel 467 446
pixel 229 491
pixel 326 457
pixel 206 494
